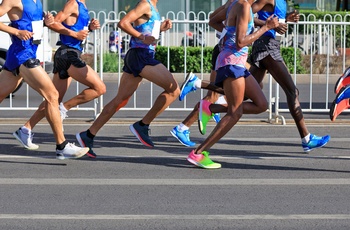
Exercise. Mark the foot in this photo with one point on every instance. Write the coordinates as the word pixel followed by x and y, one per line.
pixel 183 137
pixel 340 103
pixel 188 85
pixel 25 139
pixel 141 132
pixel 204 116
pixel 343 81
pixel 71 151
pixel 202 160
pixel 216 117
pixel 85 141
pixel 315 142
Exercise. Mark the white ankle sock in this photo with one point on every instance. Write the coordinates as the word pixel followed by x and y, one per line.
pixel 198 83
pixel 181 127
pixel 306 139
pixel 25 130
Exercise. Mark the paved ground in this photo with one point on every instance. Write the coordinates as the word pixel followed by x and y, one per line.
pixel 266 182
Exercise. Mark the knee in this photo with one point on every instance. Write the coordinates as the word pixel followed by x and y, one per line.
pixel 175 91
pixel 263 106
pixel 101 89
pixel 52 97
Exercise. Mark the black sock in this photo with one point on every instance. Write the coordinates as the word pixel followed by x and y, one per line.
pixel 62 145
pixel 89 134
pixel 141 123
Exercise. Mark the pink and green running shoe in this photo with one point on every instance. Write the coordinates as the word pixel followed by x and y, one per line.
pixel 202 160
pixel 204 116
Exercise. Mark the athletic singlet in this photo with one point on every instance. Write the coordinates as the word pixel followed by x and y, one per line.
pixel 82 21
pixel 21 51
pixel 229 54
pixel 280 10
pixel 146 29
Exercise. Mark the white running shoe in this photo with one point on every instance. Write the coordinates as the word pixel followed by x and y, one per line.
pixel 25 139
pixel 71 151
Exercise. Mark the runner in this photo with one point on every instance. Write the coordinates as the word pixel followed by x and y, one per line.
pixel 72 22
pixel 143 25
pixel 232 76
pixel 25 29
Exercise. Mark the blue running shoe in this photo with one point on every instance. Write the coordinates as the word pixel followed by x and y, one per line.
pixel 315 142
pixel 141 132
pixel 183 137
pixel 188 85
pixel 85 141
pixel 216 117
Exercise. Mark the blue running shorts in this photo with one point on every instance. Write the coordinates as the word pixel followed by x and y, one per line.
pixel 232 71
pixel 137 58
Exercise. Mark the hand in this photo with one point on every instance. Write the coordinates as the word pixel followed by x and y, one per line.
pixel 149 40
pixel 81 35
pixel 24 35
pixel 94 24
pixel 166 25
pixel 272 22
pixel 49 19
pixel 282 28
pixel 293 16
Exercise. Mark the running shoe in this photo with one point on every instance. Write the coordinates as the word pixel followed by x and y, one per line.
pixel 25 139
pixel 216 117
pixel 340 103
pixel 183 137
pixel 315 142
pixel 141 132
pixel 202 160
pixel 188 85
pixel 71 151
pixel 204 116
pixel 343 81
pixel 85 141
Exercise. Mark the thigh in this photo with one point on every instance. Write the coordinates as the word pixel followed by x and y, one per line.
pixel 253 90
pixel 234 91
pixel 279 72
pixel 258 73
pixel 38 80
pixel 160 76
pixel 128 85
pixel 85 75
pixel 8 83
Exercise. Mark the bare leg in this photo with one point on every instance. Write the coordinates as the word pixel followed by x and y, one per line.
pixel 160 76
pixel 128 85
pixel 234 89
pixel 38 79
pixel 11 82
pixel 280 73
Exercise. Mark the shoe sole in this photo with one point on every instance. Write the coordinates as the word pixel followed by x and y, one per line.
pixel 200 165
pixel 174 135
pixel 82 144
pixel 133 130
pixel 187 79
pixel 25 146
pixel 200 125
pixel 81 153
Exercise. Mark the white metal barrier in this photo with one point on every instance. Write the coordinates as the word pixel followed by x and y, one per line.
pixel 317 37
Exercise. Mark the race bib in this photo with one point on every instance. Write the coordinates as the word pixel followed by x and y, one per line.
pixel 156 29
pixel 38 30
